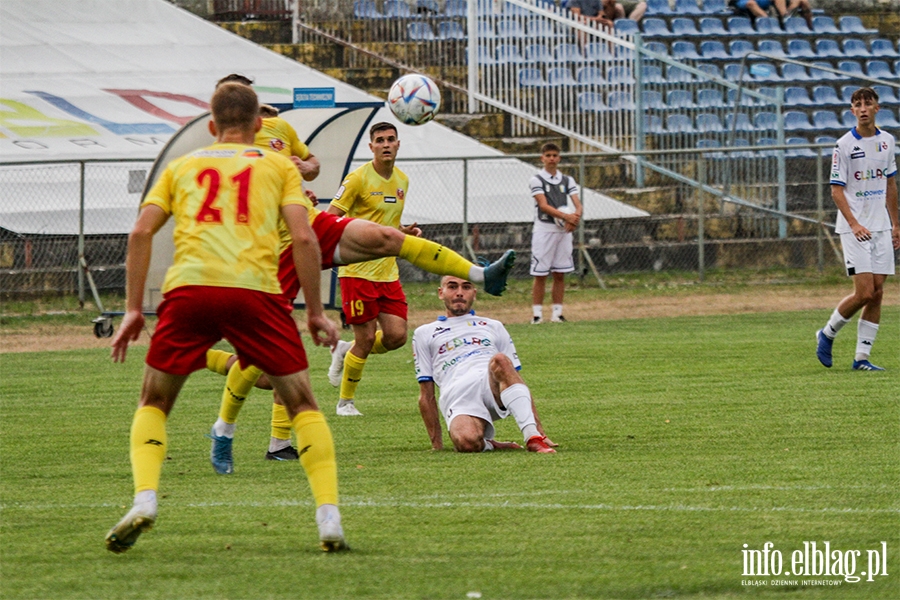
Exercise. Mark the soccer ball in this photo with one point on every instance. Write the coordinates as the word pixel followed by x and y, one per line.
pixel 565 208
pixel 414 99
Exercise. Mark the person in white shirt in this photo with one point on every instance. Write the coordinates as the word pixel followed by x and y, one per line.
pixel 864 188
pixel 557 212
pixel 473 361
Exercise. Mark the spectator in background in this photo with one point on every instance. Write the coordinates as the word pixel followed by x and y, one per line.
pixel 605 12
pixel 760 8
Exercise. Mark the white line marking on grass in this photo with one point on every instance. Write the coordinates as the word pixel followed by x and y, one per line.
pixel 782 488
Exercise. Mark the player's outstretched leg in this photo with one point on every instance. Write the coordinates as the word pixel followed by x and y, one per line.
pixel 139 519
pixel 336 370
pixel 496 273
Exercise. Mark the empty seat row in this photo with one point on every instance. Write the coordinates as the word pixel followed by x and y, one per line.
pixel 541 53
pixel 393 9
pixel 797 48
pixel 741 26
pixel 799 152
pixel 687 7
pixel 711 122
pixel 585 76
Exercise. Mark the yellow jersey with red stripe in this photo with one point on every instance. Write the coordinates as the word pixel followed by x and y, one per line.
pixel 226 202
pixel 279 136
pixel 364 194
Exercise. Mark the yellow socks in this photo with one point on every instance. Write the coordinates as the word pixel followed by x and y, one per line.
pixel 148 447
pixel 434 258
pixel 316 447
pixel 217 361
pixel 378 347
pixel 281 423
pixel 353 368
pixel 237 387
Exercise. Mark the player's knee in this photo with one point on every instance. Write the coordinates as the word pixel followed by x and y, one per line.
pixel 468 444
pixel 393 339
pixel 502 369
pixel 388 240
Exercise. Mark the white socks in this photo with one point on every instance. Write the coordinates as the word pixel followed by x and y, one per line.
pixel 517 400
pixel 276 444
pixel 557 311
pixel 537 310
pixel 835 323
pixel 476 274
pixel 865 337
pixel 221 428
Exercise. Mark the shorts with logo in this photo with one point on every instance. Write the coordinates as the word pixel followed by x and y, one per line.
pixel 363 300
pixel 328 229
pixel 470 394
pixel 192 318
pixel 875 255
pixel 551 251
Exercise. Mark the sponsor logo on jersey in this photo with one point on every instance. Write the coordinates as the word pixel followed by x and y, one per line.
pixel 867 193
pixel 869 174
pixel 859 154
pixel 456 343
pixel 439 330
pixel 210 153
pixel 252 153
pixel 340 192
pixel 390 200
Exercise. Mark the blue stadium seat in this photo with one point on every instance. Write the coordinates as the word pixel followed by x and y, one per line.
pixel 708 123
pixel 824 75
pixel 826 139
pixel 711 26
pixel 657 47
pixel 486 56
pixel 886 95
pixel 855 48
pixel 765 121
pixel 619 74
pixel 764 72
pixel 679 99
pixel 883 48
pixel 800 49
pixel 456 8
pixel 653 124
pixel 652 74
pixel 658 7
pixel 799 152
pixel 767 141
pixel 705 143
pixel 679 123
pixel 541 28
pixel 626 27
pixel 426 7
pixel 531 77
pixel 824 95
pixel 824 26
pixel 731 96
pixel 897 68
pixel 687 7
pixel 451 30
pixel 709 98
pixel 420 31
pixel 713 50
pixel 715 7
pixel 795 120
pixel 828 48
pixel 653 100
pixel 772 47
pixel 797 26
pixel 851 68
pixel 685 50
pixel 510 29
pixel 568 53
pixel 591 102
pixel 853 24
pixel 740 143
pixel 826 119
pixel 366 9
pixel 561 76
pixel 886 118
pixel 797 96
pixel 684 27
pixel 710 69
pixel 768 26
pixel 590 76
pixel 598 52
pixel 879 69
pixel 678 75
pixel 732 72
pixel 738 48
pixel 794 72
pixel 538 53
pixel 620 101
pixel 508 54
pixel 486 28
pixel 848 119
pixel 397 9
pixel 742 123
pixel 740 26
pixel 655 28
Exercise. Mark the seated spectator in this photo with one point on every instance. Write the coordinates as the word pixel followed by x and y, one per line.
pixel 760 8
pixel 605 11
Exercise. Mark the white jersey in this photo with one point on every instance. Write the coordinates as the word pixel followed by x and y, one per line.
pixel 862 167
pixel 566 185
pixel 450 346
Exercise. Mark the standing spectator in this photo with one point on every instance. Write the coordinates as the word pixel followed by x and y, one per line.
pixel 551 237
pixel 864 188
pixel 760 8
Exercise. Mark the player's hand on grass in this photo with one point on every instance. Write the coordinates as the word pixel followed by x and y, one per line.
pixel 323 331
pixel 129 331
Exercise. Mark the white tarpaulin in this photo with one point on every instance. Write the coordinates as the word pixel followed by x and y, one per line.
pixel 88 79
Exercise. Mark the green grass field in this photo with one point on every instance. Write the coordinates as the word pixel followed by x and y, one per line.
pixel 682 440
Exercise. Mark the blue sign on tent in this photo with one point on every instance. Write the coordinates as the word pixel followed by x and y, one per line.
pixel 314 97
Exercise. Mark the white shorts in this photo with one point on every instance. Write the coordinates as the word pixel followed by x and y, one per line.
pixel 551 251
pixel 470 394
pixel 875 255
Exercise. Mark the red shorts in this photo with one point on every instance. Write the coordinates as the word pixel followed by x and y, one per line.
pixel 364 300
pixel 328 229
pixel 193 318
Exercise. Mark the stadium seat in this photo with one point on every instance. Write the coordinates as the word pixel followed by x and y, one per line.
pixel 683 50
pixel 510 29
pixel 657 47
pixel 678 123
pixel 428 7
pixel 826 139
pixel 824 75
pixel 765 121
pixel 708 123
pixel 541 28
pixel 687 7
pixel 450 30
pixel 767 141
pixel 883 48
pixel 538 53
pixel 764 72
pixel 886 118
pixel 739 48
pixel 591 102
pixel 853 24
pixel 824 25
pixel 678 75
pixel 848 119
pixel 568 53
pixel 741 123
pixel 705 143
pixel 879 69
pixel 620 101
pixel 794 72
pixel 420 31
pixel 682 27
pixel 620 75
pixel 800 49
pixel 740 26
pixel 653 74
pixel 741 143
pixel 851 68
pixel 655 28
pixel 710 69
pixel 590 76
pixel 679 99
pixel 658 7
pixel 768 26
pixel 732 72
pixel 598 52
pixel 712 27
pixel 486 29
pixel 794 120
pixel 456 8
pixel 886 95
pixel 827 48
pixel 855 48
pixel 715 7
pixel 653 100
pixel 799 152
pixel 824 95
pixel 561 76
pixel 713 50
pixel 797 96
pixel 797 26
pixel 397 9
pixel 771 47
pixel 366 9
pixel 897 68
pixel 531 77
pixel 826 119
pixel 486 56
pixel 746 100
pixel 653 124
pixel 709 98
pixel 626 27
pixel 508 54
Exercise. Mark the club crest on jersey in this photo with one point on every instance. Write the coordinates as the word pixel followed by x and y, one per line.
pixel 400 193
pixel 882 146
pixel 277 145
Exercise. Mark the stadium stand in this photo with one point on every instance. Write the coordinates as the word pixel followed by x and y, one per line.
pixel 561 76
pixel 711 26
pixel 450 30
pixel 420 31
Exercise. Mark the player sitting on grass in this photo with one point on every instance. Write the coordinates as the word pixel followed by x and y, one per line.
pixel 474 362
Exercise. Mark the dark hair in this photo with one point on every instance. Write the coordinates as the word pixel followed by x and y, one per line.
pixel 864 93
pixel 236 78
pixel 549 147
pixel 234 106
pixel 382 126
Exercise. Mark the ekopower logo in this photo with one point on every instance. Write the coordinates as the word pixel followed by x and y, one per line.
pixel 812 564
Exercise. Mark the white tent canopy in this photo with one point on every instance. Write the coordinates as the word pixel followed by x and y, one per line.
pixel 115 79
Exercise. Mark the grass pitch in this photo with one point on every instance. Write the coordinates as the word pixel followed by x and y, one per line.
pixel 681 439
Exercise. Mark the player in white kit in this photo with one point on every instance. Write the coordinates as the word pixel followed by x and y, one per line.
pixel 473 361
pixel 864 188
